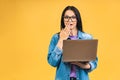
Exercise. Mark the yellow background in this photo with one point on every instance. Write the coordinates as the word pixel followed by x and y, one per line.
pixel 26 27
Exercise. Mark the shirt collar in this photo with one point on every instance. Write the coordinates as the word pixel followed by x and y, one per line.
pixel 80 34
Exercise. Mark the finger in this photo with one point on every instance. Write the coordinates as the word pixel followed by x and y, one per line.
pixel 75 63
pixel 68 25
pixel 66 30
pixel 72 63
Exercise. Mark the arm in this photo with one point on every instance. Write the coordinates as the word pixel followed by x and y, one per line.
pixel 89 66
pixel 93 65
pixel 82 65
pixel 55 48
pixel 54 53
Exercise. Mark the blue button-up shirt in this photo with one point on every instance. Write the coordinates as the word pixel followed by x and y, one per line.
pixel 63 69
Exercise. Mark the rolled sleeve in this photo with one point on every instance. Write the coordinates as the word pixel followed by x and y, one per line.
pixel 58 51
pixel 93 65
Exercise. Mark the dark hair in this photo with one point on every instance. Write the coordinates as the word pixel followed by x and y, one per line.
pixel 77 13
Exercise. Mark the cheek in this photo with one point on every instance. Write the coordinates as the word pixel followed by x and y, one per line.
pixel 75 24
pixel 66 23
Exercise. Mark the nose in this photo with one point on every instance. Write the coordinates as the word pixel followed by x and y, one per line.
pixel 70 20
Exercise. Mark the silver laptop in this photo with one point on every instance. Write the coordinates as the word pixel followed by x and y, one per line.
pixel 79 50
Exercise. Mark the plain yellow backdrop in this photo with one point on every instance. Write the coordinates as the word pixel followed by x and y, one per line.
pixel 26 27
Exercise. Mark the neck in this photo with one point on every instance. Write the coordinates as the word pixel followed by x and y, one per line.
pixel 74 32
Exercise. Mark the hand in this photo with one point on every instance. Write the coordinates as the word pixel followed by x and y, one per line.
pixel 83 65
pixel 64 34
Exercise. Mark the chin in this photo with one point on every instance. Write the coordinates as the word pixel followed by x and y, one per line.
pixel 72 27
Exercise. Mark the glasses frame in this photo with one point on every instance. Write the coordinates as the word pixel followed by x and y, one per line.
pixel 72 18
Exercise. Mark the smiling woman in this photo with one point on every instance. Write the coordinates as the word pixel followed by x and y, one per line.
pixel 71 27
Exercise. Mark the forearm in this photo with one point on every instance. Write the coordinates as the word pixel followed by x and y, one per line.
pixel 54 56
pixel 60 44
pixel 93 65
pixel 84 65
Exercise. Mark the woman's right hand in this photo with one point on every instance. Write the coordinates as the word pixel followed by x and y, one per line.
pixel 64 34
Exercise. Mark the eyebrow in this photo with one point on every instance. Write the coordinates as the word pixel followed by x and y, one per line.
pixel 70 16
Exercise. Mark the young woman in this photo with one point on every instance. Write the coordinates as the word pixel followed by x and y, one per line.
pixel 71 27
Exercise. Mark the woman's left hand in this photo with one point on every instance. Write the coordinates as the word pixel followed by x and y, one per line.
pixel 83 65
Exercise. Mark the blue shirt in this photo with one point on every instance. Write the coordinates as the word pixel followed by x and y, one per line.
pixel 63 69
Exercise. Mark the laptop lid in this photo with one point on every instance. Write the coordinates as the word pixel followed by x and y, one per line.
pixel 79 50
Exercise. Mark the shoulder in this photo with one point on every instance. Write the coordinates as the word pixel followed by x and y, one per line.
pixel 85 35
pixel 55 37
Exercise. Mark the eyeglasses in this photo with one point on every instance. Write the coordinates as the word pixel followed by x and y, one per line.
pixel 67 18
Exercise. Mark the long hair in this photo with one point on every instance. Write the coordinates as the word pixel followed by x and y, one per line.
pixel 78 17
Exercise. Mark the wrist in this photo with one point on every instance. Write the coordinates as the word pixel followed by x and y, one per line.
pixel 60 43
pixel 61 40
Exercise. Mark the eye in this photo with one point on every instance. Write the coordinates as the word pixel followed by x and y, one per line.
pixel 73 17
pixel 66 17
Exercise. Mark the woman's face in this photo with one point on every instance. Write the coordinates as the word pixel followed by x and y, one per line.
pixel 70 19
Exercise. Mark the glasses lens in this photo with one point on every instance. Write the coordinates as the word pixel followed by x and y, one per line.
pixel 67 18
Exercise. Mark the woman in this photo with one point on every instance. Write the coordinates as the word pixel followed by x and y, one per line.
pixel 71 27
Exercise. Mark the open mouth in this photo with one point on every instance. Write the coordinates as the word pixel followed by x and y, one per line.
pixel 71 24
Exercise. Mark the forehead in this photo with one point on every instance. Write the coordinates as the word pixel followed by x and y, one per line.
pixel 69 13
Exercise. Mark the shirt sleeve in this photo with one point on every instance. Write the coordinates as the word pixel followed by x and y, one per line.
pixel 93 65
pixel 54 53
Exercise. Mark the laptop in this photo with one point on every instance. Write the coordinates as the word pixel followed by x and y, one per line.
pixel 79 50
